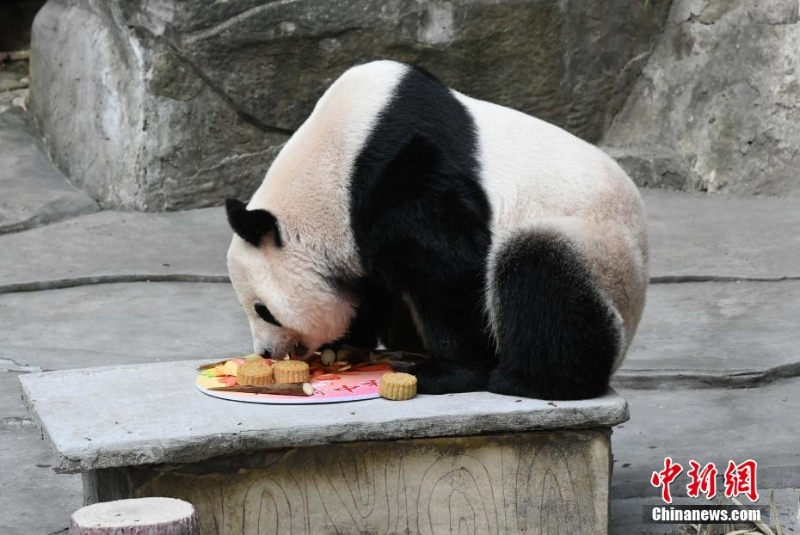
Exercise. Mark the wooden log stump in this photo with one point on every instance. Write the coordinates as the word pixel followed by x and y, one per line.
pixel 150 516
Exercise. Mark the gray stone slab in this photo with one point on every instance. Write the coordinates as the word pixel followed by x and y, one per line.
pixel 692 237
pixel 700 334
pixel 708 425
pixel 33 498
pixel 109 324
pixel 154 414
pixel 111 246
pixel 714 237
pixel 34 192
pixel 12 409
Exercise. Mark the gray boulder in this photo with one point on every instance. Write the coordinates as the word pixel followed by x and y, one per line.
pixel 167 104
pixel 717 107
pixel 32 191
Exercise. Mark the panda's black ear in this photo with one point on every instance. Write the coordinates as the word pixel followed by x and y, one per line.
pixel 252 225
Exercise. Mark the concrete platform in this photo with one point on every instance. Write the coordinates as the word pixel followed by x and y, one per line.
pixel 698 335
pixel 692 237
pixel 708 425
pixel 33 191
pixel 106 324
pixel 12 409
pixel 374 466
pixel 33 498
pixel 118 246
pixel 711 237
pixel 154 414
pixel 714 424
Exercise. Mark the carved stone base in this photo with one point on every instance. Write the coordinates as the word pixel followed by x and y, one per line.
pixel 535 482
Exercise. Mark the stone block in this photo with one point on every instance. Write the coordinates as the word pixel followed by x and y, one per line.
pixel 478 462
pixel 165 104
pixel 159 417
pixel 548 482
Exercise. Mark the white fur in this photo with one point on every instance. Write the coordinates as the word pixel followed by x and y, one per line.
pixel 538 176
pixel 307 190
pixel 307 187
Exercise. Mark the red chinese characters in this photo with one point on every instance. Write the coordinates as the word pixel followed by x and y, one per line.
pixel 741 479
pixel 738 479
pixel 665 477
pixel 704 480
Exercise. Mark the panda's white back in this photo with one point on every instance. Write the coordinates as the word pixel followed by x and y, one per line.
pixel 532 169
pixel 529 168
pixel 537 175
pixel 307 186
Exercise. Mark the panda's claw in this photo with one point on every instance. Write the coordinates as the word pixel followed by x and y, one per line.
pixel 403 361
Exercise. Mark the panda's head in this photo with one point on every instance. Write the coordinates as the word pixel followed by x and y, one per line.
pixel 283 284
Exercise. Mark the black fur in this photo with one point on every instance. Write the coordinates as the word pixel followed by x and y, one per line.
pixel 557 338
pixel 380 315
pixel 265 314
pixel 421 223
pixel 252 225
pixel 375 307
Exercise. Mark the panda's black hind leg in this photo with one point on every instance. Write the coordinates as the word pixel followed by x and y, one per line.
pixel 557 338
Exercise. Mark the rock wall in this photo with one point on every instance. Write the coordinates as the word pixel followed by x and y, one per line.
pixel 166 104
pixel 717 108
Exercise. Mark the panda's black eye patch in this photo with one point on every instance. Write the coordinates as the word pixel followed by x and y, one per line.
pixel 266 315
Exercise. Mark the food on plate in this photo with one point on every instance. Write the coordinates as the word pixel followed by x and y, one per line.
pixel 232 366
pixel 287 389
pixel 398 386
pixel 290 371
pixel 255 373
pixel 328 357
pixel 332 373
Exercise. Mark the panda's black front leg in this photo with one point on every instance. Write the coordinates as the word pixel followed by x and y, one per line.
pixel 376 308
pixel 422 225
pixel 457 342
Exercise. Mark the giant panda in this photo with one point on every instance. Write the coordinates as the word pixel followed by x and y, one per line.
pixel 519 250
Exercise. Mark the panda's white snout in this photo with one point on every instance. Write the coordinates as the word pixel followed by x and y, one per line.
pixel 278 343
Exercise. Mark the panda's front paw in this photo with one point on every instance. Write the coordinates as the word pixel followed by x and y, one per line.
pixel 445 378
pixel 404 361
